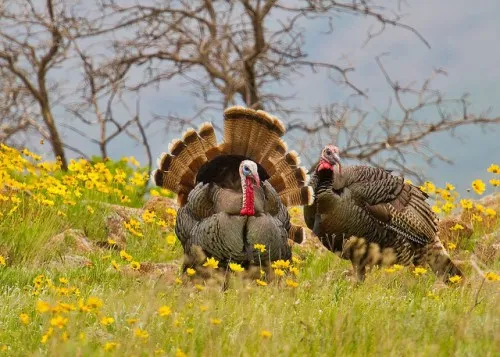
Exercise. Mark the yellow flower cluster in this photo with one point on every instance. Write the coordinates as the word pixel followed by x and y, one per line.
pixel 447 199
pixel 23 176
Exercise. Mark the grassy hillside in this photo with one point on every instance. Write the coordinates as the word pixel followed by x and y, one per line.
pixel 86 270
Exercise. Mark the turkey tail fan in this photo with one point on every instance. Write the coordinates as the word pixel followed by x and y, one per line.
pixel 303 196
pixel 251 134
pixel 297 234
pixel 256 135
pixel 177 170
pixel 294 178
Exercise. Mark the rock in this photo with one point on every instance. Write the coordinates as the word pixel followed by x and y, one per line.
pixel 116 229
pixel 71 261
pixel 159 205
pixel 456 236
pixel 167 271
pixel 71 239
pixel 487 248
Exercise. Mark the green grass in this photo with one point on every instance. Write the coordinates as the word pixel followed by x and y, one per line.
pixel 393 314
pixel 389 314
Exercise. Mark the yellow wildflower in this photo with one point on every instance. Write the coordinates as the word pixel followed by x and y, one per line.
pixel 495 182
pixel 94 302
pixel 24 318
pixel 125 256
pixel 178 281
pixel 291 283
pixel 455 279
pixel 408 181
pixel 490 212
pixel 135 265
pixel 448 207
pixel 189 331
pixel 428 187
pixel 479 207
pixel 279 272
pixel 106 321
pixel 63 280
pixel 211 263
pixel 131 321
pixel 495 169
pixel 476 218
pixel 59 321
pixel 294 270
pixel 171 238
pixel 452 246
pixel 449 187
pixel 260 247
pixel 398 267
pixel 154 192
pixel 179 353
pixel 265 334
pixel 115 265
pixel 47 335
pixel 215 321
pixel 478 186
pixel 457 227
pixel 203 308
pixel 236 267
pixel 190 271
pixel 2 261
pixel 390 270
pixel 436 209
pixel 42 306
pixel 418 271
pixel 446 195
pixel 466 204
pixel 141 333
pixel 285 264
pixel 199 287
pixel 261 282
pixel 148 216
pixel 491 276
pixel 110 346
pixel 164 311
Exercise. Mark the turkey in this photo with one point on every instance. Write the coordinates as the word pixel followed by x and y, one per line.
pixel 235 194
pixel 369 216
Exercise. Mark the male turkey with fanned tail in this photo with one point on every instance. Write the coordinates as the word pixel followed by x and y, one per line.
pixel 371 217
pixel 235 194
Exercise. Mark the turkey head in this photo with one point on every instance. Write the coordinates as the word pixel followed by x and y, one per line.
pixel 329 158
pixel 249 177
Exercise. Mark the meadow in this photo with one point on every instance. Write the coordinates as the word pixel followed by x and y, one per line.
pixel 90 265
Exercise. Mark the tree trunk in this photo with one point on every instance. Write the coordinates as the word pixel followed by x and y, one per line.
pixel 55 139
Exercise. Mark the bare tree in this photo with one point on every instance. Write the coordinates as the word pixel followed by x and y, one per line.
pixel 386 138
pixel 31 45
pixel 16 108
pixel 240 51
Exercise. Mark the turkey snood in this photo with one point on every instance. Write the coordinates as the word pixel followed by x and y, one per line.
pixel 249 177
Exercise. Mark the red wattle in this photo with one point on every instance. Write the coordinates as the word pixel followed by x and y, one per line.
pixel 324 165
pixel 248 208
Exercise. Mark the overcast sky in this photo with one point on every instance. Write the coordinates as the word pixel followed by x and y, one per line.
pixel 463 38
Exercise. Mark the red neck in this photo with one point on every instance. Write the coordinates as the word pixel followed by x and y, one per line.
pixel 325 165
pixel 248 208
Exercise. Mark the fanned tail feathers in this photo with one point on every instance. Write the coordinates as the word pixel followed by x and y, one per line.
pixel 253 134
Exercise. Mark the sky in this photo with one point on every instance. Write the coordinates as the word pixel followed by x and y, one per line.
pixel 462 39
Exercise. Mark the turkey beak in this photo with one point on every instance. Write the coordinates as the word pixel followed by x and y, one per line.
pixel 256 179
pixel 336 157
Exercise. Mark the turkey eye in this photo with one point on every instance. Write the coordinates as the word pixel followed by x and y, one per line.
pixel 328 152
